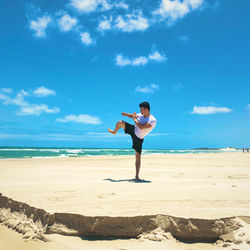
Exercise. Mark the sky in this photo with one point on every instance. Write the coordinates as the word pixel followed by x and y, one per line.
pixel 69 68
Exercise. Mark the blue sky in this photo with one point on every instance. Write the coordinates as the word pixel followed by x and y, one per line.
pixel 69 68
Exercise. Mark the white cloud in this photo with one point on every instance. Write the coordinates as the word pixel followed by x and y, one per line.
pixel 148 89
pixel 107 6
pixel 204 110
pixel 18 100
pixel 87 6
pixel 105 24
pixel 122 61
pixel 6 90
pixel 140 60
pixel 82 118
pixel 173 10
pixel 86 39
pixel 26 108
pixel 37 109
pixel 43 92
pixel 121 5
pixel 248 106
pixel 183 38
pixel 195 3
pixel 40 26
pixel 66 23
pixel 156 56
pixel 131 22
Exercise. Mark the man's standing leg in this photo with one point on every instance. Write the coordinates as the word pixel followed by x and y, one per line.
pixel 137 165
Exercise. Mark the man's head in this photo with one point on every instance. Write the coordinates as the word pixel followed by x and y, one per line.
pixel 145 107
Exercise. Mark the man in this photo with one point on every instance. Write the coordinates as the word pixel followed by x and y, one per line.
pixel 144 123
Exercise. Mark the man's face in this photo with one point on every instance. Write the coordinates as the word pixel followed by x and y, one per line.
pixel 142 110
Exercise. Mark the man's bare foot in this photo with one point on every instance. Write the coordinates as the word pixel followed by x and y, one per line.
pixel 111 131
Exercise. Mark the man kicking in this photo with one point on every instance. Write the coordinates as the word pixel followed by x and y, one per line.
pixel 144 123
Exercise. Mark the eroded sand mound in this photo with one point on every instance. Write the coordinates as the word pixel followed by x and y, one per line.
pixel 35 223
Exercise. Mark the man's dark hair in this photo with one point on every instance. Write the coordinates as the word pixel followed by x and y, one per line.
pixel 145 105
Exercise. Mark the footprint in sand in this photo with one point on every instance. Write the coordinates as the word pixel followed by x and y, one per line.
pixel 102 196
pixel 237 177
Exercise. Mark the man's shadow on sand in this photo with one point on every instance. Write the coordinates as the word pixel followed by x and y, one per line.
pixel 128 180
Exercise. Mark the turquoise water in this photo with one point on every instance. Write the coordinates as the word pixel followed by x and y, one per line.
pixel 20 152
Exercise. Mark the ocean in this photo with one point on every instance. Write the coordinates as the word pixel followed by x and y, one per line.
pixel 36 152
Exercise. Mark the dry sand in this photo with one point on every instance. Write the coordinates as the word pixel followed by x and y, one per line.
pixel 204 186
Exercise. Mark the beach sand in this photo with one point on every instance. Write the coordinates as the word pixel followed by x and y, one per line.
pixel 203 186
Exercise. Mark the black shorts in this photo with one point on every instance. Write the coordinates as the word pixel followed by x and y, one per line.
pixel 137 142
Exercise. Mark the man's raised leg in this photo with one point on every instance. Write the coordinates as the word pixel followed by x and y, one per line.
pixel 119 125
pixel 137 165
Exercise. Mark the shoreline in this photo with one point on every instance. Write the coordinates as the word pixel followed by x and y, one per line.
pixel 128 155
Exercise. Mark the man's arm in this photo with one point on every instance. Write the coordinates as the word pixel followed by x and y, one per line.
pixel 129 115
pixel 142 125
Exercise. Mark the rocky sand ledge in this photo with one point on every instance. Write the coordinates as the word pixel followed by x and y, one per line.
pixel 35 223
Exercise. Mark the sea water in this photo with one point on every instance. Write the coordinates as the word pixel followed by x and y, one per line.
pixel 41 152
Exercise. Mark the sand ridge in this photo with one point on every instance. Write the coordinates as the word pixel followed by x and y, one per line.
pixel 35 223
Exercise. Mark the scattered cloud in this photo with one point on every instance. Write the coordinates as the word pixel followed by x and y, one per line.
pixel 107 6
pixel 141 60
pixel 131 22
pixel 156 56
pixel 105 24
pixel 172 10
pixel 248 106
pixel 123 61
pixel 124 23
pixel 82 118
pixel 40 25
pixel 6 90
pixel 26 108
pixel 148 89
pixel 18 100
pixel 43 92
pixel 121 5
pixel 121 19
pixel 87 6
pixel 66 23
pixel 205 110
pixel 86 39
pixel 37 109
pixel 183 38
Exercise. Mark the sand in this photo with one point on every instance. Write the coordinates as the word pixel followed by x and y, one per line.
pixel 213 189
